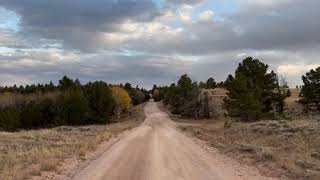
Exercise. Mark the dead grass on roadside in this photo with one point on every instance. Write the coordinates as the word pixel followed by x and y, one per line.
pixel 28 153
pixel 276 148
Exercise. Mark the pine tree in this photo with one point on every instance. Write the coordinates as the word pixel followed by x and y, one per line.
pixel 9 119
pixel 211 84
pixel 100 101
pixel 73 107
pixel 311 89
pixel 183 93
pixel 250 92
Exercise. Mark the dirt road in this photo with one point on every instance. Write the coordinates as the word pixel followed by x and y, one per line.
pixel 156 150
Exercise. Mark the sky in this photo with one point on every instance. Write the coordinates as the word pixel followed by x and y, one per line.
pixel 150 42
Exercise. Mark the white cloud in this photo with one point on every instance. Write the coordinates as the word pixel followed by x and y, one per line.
pixel 264 3
pixel 296 69
pixel 206 15
pixel 185 13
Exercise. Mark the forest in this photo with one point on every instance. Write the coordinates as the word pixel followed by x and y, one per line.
pixel 68 103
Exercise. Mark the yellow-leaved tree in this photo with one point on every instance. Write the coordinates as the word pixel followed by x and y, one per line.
pixel 156 95
pixel 122 99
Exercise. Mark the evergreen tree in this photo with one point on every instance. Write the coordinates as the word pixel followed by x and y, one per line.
pixel 311 89
pixel 73 107
pixel 269 94
pixel 40 114
pixel 211 84
pixel 183 93
pixel 170 94
pixel 9 119
pixel 100 101
pixel 250 92
pixel 66 83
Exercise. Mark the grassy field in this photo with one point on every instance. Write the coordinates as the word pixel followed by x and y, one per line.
pixel 29 153
pixel 276 148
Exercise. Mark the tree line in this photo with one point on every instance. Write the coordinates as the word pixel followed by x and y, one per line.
pixel 253 92
pixel 68 103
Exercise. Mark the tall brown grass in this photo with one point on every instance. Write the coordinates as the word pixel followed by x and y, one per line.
pixel 28 153
pixel 12 99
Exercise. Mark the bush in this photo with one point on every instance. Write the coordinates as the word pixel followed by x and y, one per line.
pixel 41 114
pixel 49 114
pixel 72 107
pixel 31 116
pixel 9 119
pixel 100 102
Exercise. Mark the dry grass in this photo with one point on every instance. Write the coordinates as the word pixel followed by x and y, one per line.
pixel 292 105
pixel 219 92
pixel 276 148
pixel 28 153
pixel 12 99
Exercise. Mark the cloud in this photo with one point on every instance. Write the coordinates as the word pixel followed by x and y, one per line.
pixel 206 15
pixel 293 72
pixel 279 24
pixel 294 69
pixel 276 26
pixel 264 3
pixel 109 25
pixel 78 24
pixel 113 68
pixel 190 2
pixel 139 41
pixel 10 39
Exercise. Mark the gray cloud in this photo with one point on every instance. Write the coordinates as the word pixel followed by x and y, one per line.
pixel 284 34
pixel 287 26
pixel 82 24
pixel 112 68
pixel 145 69
pixel 78 23
pixel 190 2
pixel 11 40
